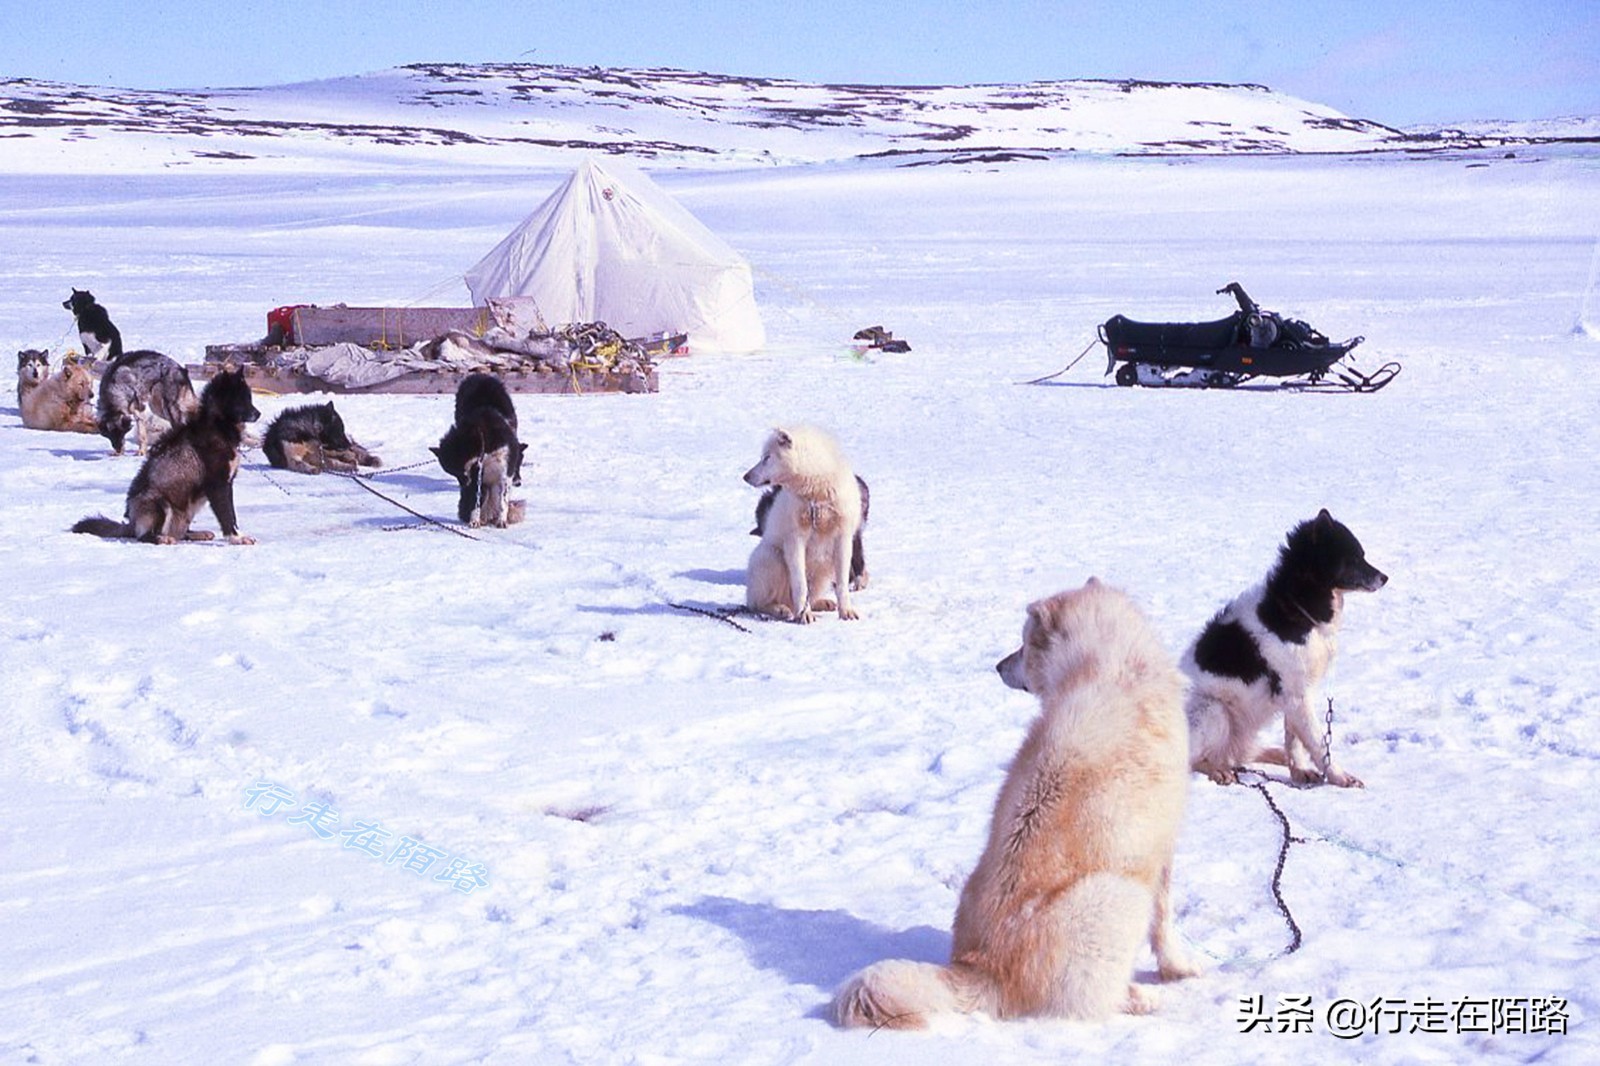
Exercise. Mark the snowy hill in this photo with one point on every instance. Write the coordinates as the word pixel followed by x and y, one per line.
pixel 520 115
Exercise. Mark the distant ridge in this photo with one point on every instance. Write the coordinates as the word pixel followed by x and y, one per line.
pixel 460 115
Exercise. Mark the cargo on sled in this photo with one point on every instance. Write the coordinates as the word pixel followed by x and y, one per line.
pixel 432 349
pixel 1250 343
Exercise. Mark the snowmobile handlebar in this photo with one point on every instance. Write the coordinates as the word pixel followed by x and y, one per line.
pixel 1247 305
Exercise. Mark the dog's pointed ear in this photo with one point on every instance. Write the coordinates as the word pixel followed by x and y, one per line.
pixel 782 439
pixel 1323 524
pixel 1040 614
pixel 1093 583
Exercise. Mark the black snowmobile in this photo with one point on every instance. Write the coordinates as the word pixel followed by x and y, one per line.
pixel 1248 344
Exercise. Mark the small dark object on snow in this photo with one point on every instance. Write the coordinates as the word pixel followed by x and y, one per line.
pixel 1248 344
pixel 881 339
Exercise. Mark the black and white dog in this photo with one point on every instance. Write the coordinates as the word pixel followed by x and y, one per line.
pixel 1266 651
pixel 482 452
pixel 94 324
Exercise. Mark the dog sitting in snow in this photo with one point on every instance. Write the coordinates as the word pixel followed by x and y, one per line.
pixel 1263 655
pixel 805 547
pixel 1077 871
pixel 95 329
pixel 858 553
pixel 192 464
pixel 310 439
pixel 61 401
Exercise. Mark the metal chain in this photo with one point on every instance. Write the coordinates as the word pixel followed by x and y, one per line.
pixel 1327 737
pixel 1289 838
pixel 1277 873
pixel 397 469
pixel 357 479
pixel 274 483
pixel 721 614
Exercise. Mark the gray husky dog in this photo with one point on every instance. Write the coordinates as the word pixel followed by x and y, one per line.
pixel 192 465
pixel 147 391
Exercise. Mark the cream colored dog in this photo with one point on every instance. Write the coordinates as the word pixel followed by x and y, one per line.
pixel 1077 870
pixel 806 539
pixel 63 400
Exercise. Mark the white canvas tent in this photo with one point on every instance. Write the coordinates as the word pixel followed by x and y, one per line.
pixel 610 246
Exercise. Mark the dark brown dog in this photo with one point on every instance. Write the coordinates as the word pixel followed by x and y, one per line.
pixel 193 464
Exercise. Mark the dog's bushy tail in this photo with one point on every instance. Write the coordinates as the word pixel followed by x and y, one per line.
pixel 101 526
pixel 900 994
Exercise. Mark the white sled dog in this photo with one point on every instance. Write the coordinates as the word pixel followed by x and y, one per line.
pixel 1078 866
pixel 806 540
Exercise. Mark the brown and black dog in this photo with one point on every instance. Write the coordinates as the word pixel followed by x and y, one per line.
pixel 192 464
pixel 60 401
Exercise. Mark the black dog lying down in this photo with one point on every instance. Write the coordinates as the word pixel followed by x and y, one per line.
pixel 191 464
pixel 311 439
pixel 481 450
pixel 858 555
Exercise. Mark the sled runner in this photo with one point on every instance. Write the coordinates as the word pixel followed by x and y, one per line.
pixel 1248 344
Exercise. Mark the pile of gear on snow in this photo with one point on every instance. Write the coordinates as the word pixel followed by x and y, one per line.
pixel 512 344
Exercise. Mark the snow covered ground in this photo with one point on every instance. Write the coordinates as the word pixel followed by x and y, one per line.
pixel 666 839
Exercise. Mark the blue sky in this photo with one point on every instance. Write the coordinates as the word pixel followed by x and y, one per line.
pixel 1421 61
